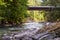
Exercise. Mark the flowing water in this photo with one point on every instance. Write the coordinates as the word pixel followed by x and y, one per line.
pixel 29 32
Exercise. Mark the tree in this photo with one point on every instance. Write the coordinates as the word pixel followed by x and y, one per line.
pixel 13 11
pixel 36 15
pixel 53 15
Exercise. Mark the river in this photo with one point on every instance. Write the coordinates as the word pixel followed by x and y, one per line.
pixel 28 32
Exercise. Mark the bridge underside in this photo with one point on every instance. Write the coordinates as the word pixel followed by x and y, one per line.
pixel 46 8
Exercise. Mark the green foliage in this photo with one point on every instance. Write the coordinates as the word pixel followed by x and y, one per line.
pixel 53 15
pixel 13 11
pixel 34 3
pixel 51 3
pixel 36 15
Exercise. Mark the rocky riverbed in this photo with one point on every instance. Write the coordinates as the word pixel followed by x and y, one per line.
pixel 34 31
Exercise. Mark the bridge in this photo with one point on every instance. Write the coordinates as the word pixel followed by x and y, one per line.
pixel 47 8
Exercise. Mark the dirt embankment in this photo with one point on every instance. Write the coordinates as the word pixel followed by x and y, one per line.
pixel 53 27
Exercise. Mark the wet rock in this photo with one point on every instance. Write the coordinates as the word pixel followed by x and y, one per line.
pixel 27 38
pixel 7 38
pixel 28 35
pixel 57 39
pixel 33 33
